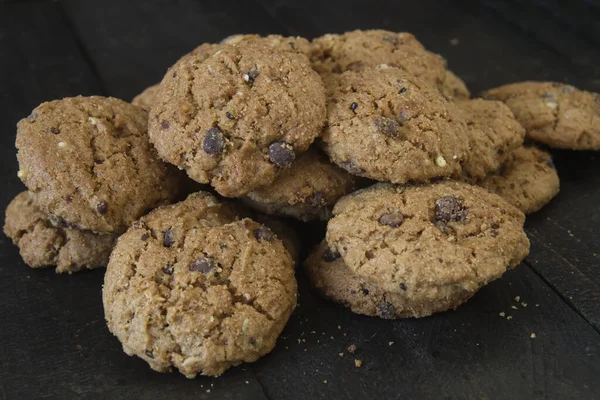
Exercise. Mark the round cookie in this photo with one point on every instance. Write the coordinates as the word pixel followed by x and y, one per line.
pixel 237 118
pixel 454 88
pixel 147 98
pixel 46 241
pixel 528 180
pixel 495 134
pixel 306 190
pixel 214 295
pixel 334 280
pixel 556 114
pixel 88 160
pixel 284 232
pixel 361 49
pixel 387 125
pixel 446 237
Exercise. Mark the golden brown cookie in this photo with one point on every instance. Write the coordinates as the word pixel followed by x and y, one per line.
pixel 387 125
pixel 88 160
pixel 454 88
pixel 237 118
pixel 528 180
pixel 284 232
pixel 334 280
pixel 495 134
pixel 446 237
pixel 307 190
pixel 208 295
pixel 46 241
pixel 556 114
pixel 362 49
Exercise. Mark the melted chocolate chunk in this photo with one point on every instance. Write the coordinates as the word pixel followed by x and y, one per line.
pixel 386 310
pixel 387 126
pixel 54 131
pixel 450 208
pixel 102 207
pixel 168 238
pixel 203 265
pixel 168 269
pixel 330 255
pixel 145 236
pixel 353 106
pixel 281 154
pixel 214 142
pixel 165 125
pixel 393 220
pixel 263 233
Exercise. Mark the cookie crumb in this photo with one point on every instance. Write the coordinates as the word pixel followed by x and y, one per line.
pixel 454 41
pixel 523 304
pixel 325 381
pixel 502 314
pixel 517 298
pixel 390 343
pixel 341 354
pixel 509 317
pixel 513 307
pixel 357 363
pixel 351 349
pixel 247 383
pixel 537 305
pixel 532 335
pixel 20 173
pixel 440 161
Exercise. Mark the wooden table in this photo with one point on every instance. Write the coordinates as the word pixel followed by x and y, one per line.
pixel 54 342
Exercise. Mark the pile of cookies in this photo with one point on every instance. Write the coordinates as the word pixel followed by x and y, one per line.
pixel 423 189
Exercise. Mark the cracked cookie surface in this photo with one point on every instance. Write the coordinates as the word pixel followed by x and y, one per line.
pixel 238 117
pixel 494 134
pixel 307 190
pixel 330 276
pixel 556 114
pixel 47 241
pixel 528 180
pixel 387 125
pixel 88 160
pixel 189 287
pixel 447 236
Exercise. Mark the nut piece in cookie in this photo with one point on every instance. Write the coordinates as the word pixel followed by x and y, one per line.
pixel 238 117
pixel 306 190
pixel 88 160
pixel 555 114
pixel 46 241
pixel 528 180
pixel 218 296
pixel 453 238
pixel 387 125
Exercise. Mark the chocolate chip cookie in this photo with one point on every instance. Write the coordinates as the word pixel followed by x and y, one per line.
pixel 494 134
pixel 528 180
pixel 284 232
pixel 447 237
pixel 306 190
pixel 88 160
pixel 45 240
pixel 187 288
pixel 390 126
pixel 237 118
pixel 361 49
pixel 556 114
pixel 334 280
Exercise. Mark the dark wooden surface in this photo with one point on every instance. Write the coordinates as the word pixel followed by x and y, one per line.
pixel 54 343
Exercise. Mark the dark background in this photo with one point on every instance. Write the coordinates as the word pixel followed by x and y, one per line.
pixel 54 343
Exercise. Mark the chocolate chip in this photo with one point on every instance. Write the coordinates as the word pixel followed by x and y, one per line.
pixel 547 96
pixel 317 199
pixel 292 45
pixel 251 76
pixel 229 115
pixel 214 142
pixel 252 340
pixel 392 39
pixel 68 198
pixel 165 125
pixel 102 207
pixel 223 246
pixel 393 220
pixel 387 126
pixel 168 238
pixel 403 286
pixel 352 168
pixel 365 291
pixel 353 106
pixel 403 90
pixel 168 269
pixel 263 233
pixel 450 208
pixel 386 310
pixel 204 265
pixel 54 131
pixel 281 154
pixel 149 353
pixel 145 236
pixel 330 255
pixel 174 74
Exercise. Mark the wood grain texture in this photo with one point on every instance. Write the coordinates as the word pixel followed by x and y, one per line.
pixel 55 343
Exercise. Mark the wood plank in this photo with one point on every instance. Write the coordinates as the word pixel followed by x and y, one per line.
pixel 134 42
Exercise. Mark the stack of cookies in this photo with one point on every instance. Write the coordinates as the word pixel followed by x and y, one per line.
pixel 423 189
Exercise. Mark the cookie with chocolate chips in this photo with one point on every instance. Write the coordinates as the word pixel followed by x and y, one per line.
pixel 88 160
pixel 239 117
pixel 215 294
pixel 387 125
pixel 433 241
pixel 528 180
pixel 330 276
pixel 305 191
pixel 48 241
pixel 556 114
